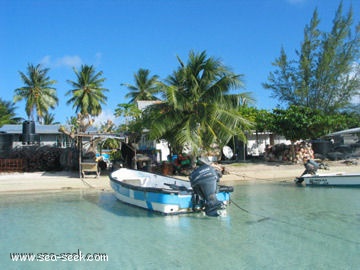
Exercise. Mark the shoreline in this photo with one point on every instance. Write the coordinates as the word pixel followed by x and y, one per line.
pixel 50 182
pixel 235 174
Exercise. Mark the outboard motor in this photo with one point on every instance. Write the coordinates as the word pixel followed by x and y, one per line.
pixel 204 183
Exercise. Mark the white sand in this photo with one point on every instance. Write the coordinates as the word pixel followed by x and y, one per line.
pixel 254 172
pixel 268 171
pixel 46 181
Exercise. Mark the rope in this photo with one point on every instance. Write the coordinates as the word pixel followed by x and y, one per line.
pixel 263 218
pixel 260 179
pixel 87 184
pixel 250 213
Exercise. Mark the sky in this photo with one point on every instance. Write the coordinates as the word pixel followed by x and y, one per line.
pixel 118 37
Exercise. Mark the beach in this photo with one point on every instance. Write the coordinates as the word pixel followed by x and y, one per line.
pixel 235 173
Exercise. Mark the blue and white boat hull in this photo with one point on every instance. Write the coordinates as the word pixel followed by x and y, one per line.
pixel 331 179
pixel 167 195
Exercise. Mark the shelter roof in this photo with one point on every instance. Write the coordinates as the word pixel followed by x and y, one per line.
pixel 346 131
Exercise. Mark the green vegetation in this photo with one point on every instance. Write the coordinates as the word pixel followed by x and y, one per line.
pixel 197 110
pixel 87 94
pixel 49 119
pixel 37 92
pixel 132 115
pixel 7 113
pixel 326 74
pixel 145 88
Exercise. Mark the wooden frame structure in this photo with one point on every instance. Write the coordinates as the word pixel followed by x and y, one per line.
pixel 88 168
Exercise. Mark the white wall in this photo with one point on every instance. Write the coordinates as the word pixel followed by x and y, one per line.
pixel 257 147
pixel 164 150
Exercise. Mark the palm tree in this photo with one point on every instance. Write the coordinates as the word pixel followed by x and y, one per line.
pixel 128 110
pixel 87 94
pixel 49 119
pixel 7 113
pixel 37 92
pixel 198 110
pixel 145 88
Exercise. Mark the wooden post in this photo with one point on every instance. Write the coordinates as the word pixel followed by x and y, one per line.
pixel 80 154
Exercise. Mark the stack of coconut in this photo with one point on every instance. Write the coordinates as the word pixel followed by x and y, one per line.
pixel 282 152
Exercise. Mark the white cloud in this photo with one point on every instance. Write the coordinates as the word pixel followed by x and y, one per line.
pixel 104 117
pixel 65 61
pixel 68 61
pixel 355 72
pixel 45 61
pixel 98 57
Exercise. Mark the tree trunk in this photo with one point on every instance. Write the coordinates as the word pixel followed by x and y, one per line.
pixel 292 150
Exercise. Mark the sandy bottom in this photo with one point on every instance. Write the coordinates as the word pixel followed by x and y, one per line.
pixel 258 172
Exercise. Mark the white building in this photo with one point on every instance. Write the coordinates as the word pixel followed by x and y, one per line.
pixel 257 142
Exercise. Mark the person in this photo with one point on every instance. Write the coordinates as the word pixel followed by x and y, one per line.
pixel 101 162
pixel 310 166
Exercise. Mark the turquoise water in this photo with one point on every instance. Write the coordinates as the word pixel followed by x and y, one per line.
pixel 269 226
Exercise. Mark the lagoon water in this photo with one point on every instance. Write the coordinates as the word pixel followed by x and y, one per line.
pixel 269 226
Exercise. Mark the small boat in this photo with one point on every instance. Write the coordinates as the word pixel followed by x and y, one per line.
pixel 169 195
pixel 313 178
pixel 330 179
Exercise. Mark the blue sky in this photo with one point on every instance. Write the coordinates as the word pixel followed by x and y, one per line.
pixel 120 36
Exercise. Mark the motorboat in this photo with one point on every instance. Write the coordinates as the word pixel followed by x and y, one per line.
pixel 330 179
pixel 311 177
pixel 170 195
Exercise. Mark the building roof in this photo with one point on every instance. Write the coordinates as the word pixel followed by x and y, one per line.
pixel 346 131
pixel 39 129
pixel 142 104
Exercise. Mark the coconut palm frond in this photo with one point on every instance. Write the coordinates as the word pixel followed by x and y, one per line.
pixel 38 93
